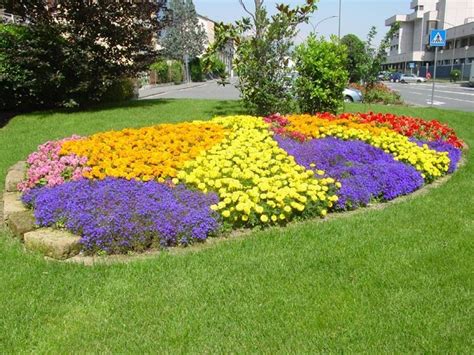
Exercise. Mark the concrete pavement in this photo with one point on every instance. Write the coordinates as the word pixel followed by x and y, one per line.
pixel 448 96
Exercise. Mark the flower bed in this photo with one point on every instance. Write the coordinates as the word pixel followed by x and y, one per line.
pixel 171 185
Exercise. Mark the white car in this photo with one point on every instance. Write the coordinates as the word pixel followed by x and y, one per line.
pixel 353 95
pixel 411 78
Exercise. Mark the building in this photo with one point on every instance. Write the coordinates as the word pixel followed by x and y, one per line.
pixel 227 53
pixel 409 49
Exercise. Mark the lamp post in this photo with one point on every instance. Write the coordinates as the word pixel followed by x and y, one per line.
pixel 317 23
pixel 465 62
pixel 339 26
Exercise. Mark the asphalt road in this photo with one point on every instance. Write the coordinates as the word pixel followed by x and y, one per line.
pixel 206 90
pixel 447 96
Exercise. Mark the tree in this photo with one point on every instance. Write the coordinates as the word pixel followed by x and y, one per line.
pixel 322 76
pixel 356 56
pixel 263 50
pixel 376 57
pixel 185 36
pixel 96 44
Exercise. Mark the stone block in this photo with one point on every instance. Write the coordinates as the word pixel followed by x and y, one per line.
pixel 56 244
pixel 21 223
pixel 13 178
pixel 12 204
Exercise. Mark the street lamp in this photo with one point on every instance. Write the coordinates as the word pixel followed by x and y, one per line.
pixel 317 23
pixel 339 26
pixel 465 62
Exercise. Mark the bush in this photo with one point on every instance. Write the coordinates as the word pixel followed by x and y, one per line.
pixel 195 67
pixel 455 75
pixel 161 68
pixel 30 68
pixel 379 93
pixel 119 90
pixel 176 72
pixel 322 75
pixel 215 67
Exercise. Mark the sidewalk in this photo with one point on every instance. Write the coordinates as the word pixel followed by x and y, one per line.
pixel 163 89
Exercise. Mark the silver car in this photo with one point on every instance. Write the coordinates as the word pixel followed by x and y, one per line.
pixel 411 78
pixel 352 95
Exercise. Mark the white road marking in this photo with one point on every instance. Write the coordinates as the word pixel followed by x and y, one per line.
pixel 436 90
pixel 435 103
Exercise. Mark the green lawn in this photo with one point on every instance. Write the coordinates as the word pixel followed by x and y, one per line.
pixel 398 279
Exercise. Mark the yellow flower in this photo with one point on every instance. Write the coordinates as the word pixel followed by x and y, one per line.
pixel 264 218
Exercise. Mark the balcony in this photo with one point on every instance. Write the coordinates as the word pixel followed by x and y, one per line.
pixel 396 18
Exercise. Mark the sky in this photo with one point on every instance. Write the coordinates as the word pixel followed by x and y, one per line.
pixel 357 15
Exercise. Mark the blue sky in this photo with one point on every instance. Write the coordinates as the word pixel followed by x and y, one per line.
pixel 357 15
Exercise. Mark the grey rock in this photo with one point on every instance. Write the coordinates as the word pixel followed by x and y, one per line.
pixel 53 243
pixel 21 223
pixel 12 204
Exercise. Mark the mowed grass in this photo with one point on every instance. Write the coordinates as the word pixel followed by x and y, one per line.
pixel 398 279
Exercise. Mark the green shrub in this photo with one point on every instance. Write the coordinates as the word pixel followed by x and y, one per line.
pixel 30 68
pixel 379 93
pixel 161 68
pixel 322 75
pixel 119 90
pixel 215 67
pixel 195 67
pixel 455 75
pixel 176 72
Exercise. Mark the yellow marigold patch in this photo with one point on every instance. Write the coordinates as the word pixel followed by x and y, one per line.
pixel 155 152
pixel 255 179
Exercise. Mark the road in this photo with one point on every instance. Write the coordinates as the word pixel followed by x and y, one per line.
pixel 206 90
pixel 447 96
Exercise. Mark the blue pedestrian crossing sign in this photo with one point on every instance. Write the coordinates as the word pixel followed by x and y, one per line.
pixel 438 38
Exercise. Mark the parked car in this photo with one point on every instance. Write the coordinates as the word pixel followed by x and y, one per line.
pixel 471 76
pixel 352 95
pixel 395 77
pixel 384 75
pixel 411 78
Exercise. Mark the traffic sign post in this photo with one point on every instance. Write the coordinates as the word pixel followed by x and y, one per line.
pixel 437 39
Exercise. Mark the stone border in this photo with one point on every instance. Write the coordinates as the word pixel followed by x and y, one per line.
pixel 61 245
pixel 56 244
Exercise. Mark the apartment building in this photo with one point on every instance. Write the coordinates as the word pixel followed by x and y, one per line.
pixel 409 49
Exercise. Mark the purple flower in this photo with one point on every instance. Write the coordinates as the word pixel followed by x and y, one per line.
pixel 117 215
pixel 365 172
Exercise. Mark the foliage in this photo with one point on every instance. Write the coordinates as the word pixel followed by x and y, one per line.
pixel 376 57
pixel 213 66
pixel 195 67
pixel 31 72
pixel 119 90
pixel 356 57
pixel 322 76
pixel 184 36
pixel 176 72
pixel 379 93
pixel 455 75
pixel 263 48
pixel 79 48
pixel 161 68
